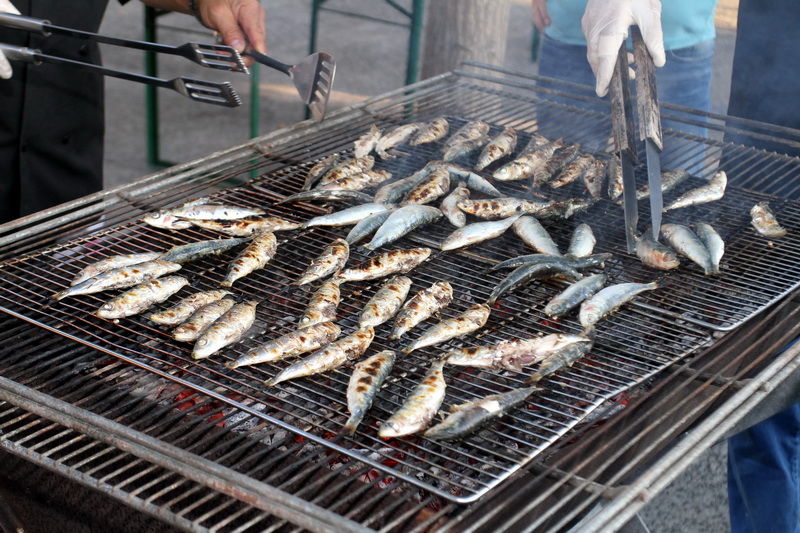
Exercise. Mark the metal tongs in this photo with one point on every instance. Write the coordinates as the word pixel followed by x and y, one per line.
pixel 649 132
pixel 208 55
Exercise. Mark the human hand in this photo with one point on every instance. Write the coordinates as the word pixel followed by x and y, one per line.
pixel 5 67
pixel 240 23
pixel 540 17
pixel 605 25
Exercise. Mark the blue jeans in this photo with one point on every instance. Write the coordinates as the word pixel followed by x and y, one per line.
pixel 764 475
pixel 684 80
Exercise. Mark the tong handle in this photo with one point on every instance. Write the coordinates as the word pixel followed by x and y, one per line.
pixel 20 22
pixel 646 91
pixel 619 91
pixel 21 53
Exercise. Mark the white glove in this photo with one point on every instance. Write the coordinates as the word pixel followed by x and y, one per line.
pixel 5 67
pixel 605 25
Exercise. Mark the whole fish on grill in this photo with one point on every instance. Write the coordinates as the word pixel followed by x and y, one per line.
pixel 322 305
pixel 473 181
pixel 193 251
pixel 468 417
pixel 526 165
pixel 334 355
pixel 254 257
pixel 392 192
pixel 213 211
pixel 464 148
pixel 365 382
pixel 326 195
pixel 247 227
pixel 348 167
pixel 764 221
pixel 386 302
pixel 654 254
pixel 225 330
pixel 403 221
pixel 470 320
pixel 608 300
pixel 396 137
pixel 320 169
pixel 201 319
pixel 500 146
pixel 367 226
pixel 536 140
pixel 420 407
pixel 114 261
pixel 540 270
pixel 669 180
pixel 594 177
pixel 532 233
pixel 713 242
pixel 293 343
pixel 560 158
pixel 433 186
pixel 561 359
pixel 476 232
pixel 166 220
pixel 564 260
pixel 181 311
pixel 391 262
pixel 712 191
pixel 345 217
pixel 471 130
pixel 358 182
pixel 511 354
pixel 422 306
pixel 449 206
pixel 564 209
pixel 582 241
pixel 497 208
pixel 686 242
pixel 614 169
pixel 574 295
pixel 120 278
pixel 367 142
pixel 330 261
pixel 435 130
pixel 572 171
pixel 139 298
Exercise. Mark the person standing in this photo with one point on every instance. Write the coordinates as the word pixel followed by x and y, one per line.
pixel 52 124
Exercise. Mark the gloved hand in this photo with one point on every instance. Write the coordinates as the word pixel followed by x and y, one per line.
pixel 605 25
pixel 5 67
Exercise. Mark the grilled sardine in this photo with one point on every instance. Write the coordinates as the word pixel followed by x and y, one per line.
pixel 120 278
pixel 332 356
pixel 470 320
pixel 255 256
pixel 226 330
pixel 420 407
pixel 139 298
pixel 386 302
pixel 391 262
pixel 421 307
pixel 330 261
pixel 181 311
pixel 364 384
pixel 322 305
pixel 191 328
pixel 500 146
pixel 115 261
pixel 764 221
pixel 293 343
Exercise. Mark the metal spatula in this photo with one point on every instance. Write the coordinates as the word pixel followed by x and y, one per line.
pixel 312 77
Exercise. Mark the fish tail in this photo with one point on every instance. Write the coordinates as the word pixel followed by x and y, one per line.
pixel 590 332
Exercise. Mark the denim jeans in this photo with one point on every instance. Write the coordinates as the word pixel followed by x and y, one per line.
pixel 684 80
pixel 764 475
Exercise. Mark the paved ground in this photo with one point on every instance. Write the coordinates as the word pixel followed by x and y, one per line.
pixel 371 60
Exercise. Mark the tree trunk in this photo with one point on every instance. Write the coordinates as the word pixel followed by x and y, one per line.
pixel 457 30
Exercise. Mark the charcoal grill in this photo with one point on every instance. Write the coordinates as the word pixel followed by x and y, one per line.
pixel 123 407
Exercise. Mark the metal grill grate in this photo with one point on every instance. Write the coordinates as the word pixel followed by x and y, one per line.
pixel 642 339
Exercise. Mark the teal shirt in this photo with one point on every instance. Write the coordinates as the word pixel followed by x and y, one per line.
pixel 684 22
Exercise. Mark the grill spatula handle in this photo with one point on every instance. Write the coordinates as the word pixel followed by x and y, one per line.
pixel 268 61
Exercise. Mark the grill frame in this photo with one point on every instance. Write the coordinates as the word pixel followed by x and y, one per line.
pixel 191 167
